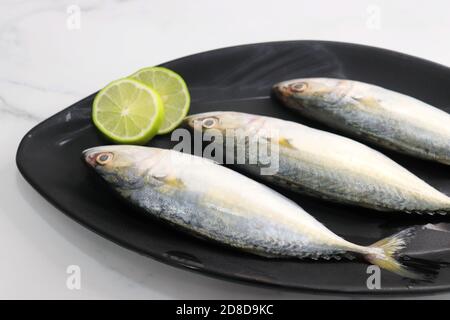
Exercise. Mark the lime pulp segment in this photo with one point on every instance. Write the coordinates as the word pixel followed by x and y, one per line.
pixel 128 111
pixel 173 91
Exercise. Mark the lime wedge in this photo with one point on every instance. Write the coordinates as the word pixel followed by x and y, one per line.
pixel 173 91
pixel 127 111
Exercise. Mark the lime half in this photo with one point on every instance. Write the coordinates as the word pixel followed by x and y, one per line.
pixel 173 91
pixel 128 111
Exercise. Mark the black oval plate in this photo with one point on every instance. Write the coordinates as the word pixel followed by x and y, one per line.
pixel 239 79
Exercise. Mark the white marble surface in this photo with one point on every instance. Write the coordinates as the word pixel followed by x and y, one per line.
pixel 46 65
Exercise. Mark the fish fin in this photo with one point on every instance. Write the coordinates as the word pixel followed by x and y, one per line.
pixel 442 212
pixel 171 181
pixel 368 101
pixel 330 256
pixel 387 259
pixel 338 257
pixel 286 143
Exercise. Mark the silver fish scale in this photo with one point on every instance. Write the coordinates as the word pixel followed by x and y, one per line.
pixel 336 186
pixel 345 186
pixel 256 235
pixel 340 186
pixel 378 115
pixel 382 129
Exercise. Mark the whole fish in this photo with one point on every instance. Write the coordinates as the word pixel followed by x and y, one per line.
pixel 375 114
pixel 219 204
pixel 326 165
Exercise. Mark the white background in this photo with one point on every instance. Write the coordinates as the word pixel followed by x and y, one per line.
pixel 47 63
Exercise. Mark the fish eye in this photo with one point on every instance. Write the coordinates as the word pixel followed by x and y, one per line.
pixel 299 86
pixel 209 122
pixel 104 158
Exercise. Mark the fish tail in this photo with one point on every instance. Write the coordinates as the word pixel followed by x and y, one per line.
pixel 387 257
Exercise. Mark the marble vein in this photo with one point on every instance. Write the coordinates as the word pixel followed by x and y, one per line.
pixel 8 109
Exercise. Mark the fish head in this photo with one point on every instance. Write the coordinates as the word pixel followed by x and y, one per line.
pixel 310 92
pixel 122 166
pixel 220 121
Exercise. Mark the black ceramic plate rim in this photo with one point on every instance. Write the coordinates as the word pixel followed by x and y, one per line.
pixel 205 270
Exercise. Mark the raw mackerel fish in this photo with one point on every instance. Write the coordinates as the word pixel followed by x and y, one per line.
pixel 219 204
pixel 380 116
pixel 323 164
